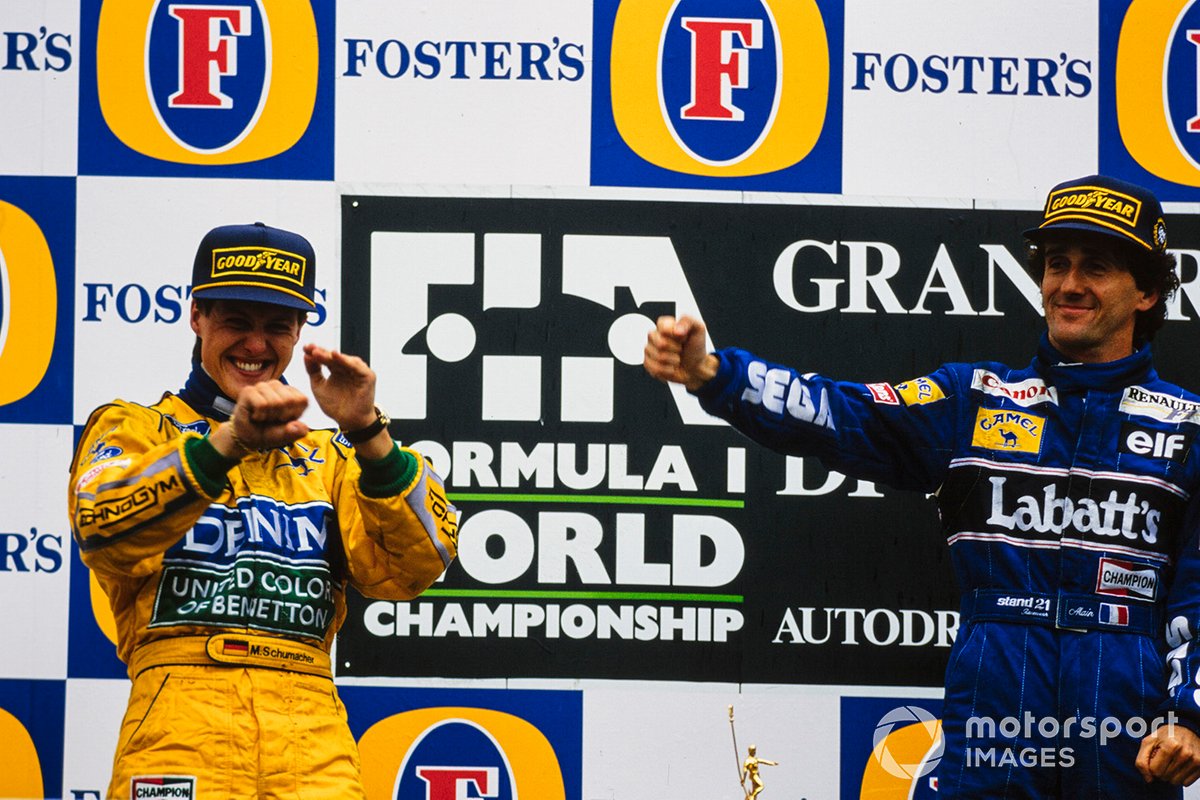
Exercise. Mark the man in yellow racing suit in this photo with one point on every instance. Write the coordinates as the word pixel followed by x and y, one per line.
pixel 224 532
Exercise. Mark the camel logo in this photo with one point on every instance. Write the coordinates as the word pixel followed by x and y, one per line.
pixel 1156 73
pixel 743 93
pixel 1011 431
pixel 206 83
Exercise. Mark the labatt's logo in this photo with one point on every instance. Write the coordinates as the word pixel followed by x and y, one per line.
pixel 1121 514
pixel 449 753
pixel 1157 69
pixel 207 83
pixel 726 90
pixel 28 303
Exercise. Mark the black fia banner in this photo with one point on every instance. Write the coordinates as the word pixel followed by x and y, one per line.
pixel 610 529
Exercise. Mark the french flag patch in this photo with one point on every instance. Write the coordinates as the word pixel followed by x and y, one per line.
pixel 1113 614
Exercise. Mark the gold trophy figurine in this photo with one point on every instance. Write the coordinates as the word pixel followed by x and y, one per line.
pixel 748 769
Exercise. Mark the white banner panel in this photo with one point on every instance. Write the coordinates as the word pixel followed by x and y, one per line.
pixel 39 81
pixel 132 296
pixel 34 550
pixel 946 99
pixel 464 92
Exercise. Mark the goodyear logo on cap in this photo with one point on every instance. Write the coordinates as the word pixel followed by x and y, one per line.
pixel 262 262
pixel 1092 201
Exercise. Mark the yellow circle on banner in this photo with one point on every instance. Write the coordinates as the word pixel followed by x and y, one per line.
pixel 384 749
pixel 1140 81
pixel 801 104
pixel 123 84
pixel 28 304
pixel 22 773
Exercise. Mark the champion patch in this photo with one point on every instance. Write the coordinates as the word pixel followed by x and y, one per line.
pixel 1126 579
pixel 168 787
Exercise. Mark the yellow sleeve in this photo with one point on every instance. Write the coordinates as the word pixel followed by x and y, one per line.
pixel 133 493
pixel 398 544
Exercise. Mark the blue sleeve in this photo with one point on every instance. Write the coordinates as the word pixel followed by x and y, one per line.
pixel 902 436
pixel 1183 625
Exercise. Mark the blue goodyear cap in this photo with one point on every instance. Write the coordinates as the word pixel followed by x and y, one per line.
pixel 1104 205
pixel 255 262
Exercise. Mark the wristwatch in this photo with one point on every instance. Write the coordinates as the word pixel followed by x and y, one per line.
pixel 363 434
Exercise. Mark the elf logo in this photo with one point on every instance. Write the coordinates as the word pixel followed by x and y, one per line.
pixel 1155 444
pixel 459 752
pixel 1156 78
pixel 207 82
pixel 736 93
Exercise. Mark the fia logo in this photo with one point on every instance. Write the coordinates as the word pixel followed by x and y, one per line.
pixel 208 83
pixel 595 268
pixel 731 89
pixel 1156 80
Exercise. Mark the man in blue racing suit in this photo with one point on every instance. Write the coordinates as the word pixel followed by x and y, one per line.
pixel 1061 487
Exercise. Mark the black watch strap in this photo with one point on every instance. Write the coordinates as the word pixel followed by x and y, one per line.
pixel 363 434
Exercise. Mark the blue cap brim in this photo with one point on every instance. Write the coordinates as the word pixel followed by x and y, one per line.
pixel 1038 234
pixel 254 294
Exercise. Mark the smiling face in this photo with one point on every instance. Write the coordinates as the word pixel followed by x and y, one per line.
pixel 243 343
pixel 1090 298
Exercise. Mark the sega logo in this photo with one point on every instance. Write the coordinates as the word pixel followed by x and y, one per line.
pixel 209 84
pixel 733 89
pixel 135 303
pixel 1157 44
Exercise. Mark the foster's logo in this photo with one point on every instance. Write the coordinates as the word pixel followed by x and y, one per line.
pixel 726 89
pixel 455 752
pixel 205 82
